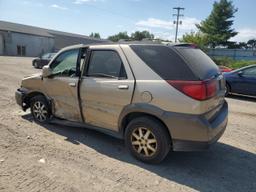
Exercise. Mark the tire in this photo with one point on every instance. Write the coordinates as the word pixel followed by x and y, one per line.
pixel 36 65
pixel 40 109
pixel 227 91
pixel 147 140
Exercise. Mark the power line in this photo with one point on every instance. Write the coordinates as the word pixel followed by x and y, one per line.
pixel 177 22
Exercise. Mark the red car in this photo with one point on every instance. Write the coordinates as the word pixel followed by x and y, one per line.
pixel 225 69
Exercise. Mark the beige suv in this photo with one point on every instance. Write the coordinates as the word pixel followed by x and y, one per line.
pixel 156 97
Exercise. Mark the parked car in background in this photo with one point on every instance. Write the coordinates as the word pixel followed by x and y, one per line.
pixel 241 81
pixel 224 69
pixel 39 62
pixel 153 96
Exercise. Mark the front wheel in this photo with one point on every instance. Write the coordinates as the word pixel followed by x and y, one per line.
pixel 36 65
pixel 40 109
pixel 227 90
pixel 147 140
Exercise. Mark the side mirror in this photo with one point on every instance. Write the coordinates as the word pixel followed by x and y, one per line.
pixel 46 71
pixel 240 73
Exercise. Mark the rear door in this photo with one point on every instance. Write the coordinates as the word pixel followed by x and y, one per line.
pixel 107 86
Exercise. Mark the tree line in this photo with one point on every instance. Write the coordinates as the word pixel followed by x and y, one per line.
pixel 136 36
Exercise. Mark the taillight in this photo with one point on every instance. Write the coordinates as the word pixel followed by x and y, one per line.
pixel 199 90
pixel 194 46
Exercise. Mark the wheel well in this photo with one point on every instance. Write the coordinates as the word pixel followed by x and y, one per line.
pixel 30 96
pixel 135 115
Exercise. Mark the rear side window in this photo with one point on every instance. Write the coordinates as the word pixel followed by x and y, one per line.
pixel 163 60
pixel 201 64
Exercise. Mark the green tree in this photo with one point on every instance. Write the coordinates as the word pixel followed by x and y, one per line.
pixel 140 35
pixel 251 44
pixel 238 45
pixel 136 36
pixel 95 35
pixel 119 36
pixel 196 38
pixel 218 25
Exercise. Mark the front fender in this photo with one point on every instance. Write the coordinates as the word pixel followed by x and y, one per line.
pixel 28 94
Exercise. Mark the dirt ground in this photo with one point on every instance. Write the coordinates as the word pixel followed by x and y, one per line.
pixel 60 158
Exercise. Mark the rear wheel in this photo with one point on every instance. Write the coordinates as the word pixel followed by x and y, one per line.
pixel 40 109
pixel 147 140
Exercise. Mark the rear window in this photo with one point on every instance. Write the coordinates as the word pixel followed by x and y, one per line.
pixel 201 64
pixel 165 61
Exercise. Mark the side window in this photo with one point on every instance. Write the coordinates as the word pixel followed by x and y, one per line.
pixel 251 72
pixel 105 64
pixel 65 63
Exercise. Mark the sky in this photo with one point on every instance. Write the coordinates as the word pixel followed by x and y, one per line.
pixel 109 17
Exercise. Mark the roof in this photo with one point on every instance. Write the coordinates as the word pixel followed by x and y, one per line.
pixel 125 43
pixel 19 28
pixel 26 29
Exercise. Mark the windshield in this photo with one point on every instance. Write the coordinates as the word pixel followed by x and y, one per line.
pixel 52 55
pixel 46 56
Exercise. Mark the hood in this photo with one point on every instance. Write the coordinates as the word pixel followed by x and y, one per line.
pixel 37 58
pixel 31 81
pixel 32 76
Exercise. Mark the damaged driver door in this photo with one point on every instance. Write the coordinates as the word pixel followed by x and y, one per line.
pixel 62 85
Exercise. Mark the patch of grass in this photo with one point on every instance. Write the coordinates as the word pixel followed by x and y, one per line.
pixel 239 64
pixel 231 63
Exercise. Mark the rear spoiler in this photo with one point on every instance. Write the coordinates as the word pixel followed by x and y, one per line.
pixel 189 45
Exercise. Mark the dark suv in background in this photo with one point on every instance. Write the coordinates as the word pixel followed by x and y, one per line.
pixel 39 62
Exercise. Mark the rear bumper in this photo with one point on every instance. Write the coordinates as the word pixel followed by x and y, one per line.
pixel 20 96
pixel 182 145
pixel 196 132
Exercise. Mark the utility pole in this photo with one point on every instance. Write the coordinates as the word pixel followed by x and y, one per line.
pixel 177 22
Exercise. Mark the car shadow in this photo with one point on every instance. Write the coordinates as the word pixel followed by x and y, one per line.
pixel 221 168
pixel 242 98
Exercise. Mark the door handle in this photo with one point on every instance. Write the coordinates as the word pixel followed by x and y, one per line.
pixel 72 84
pixel 123 87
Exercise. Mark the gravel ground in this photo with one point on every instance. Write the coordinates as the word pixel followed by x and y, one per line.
pixel 59 158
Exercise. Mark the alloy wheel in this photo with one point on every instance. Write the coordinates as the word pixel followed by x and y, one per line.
pixel 40 111
pixel 144 141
